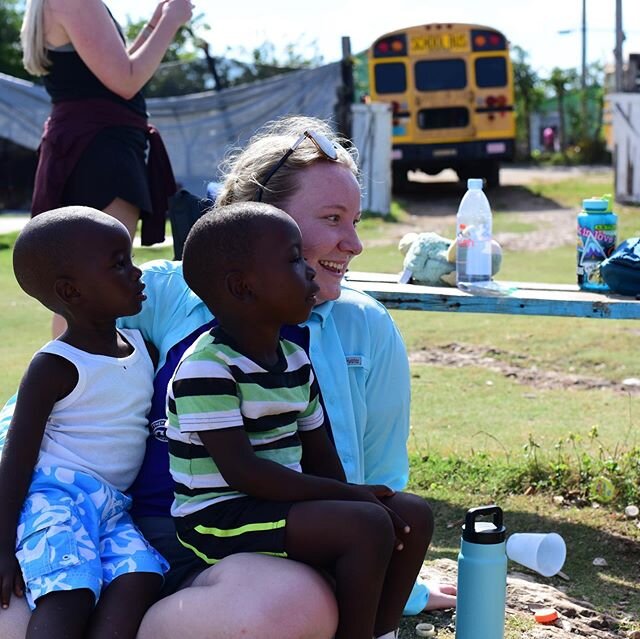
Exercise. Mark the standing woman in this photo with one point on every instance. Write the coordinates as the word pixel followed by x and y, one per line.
pixel 94 146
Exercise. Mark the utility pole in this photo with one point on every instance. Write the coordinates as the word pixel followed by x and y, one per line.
pixel 617 52
pixel 583 79
pixel 345 91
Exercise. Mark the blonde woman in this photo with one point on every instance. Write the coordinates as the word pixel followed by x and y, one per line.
pixel 94 145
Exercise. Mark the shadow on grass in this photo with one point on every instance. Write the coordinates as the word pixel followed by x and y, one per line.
pixel 442 198
pixel 614 588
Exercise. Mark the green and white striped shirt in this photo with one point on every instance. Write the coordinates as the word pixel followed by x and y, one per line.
pixel 215 386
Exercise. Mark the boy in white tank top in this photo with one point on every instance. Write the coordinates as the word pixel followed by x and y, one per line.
pixel 77 437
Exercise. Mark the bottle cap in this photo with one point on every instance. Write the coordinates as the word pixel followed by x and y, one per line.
pixel 545 615
pixel 595 205
pixel 484 532
pixel 609 198
pixel 475 183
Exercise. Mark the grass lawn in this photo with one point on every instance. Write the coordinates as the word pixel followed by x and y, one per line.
pixel 480 417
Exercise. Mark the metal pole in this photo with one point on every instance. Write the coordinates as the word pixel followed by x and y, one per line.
pixel 583 81
pixel 617 52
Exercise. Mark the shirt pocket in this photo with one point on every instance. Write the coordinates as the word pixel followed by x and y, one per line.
pixel 358 369
pixel 47 543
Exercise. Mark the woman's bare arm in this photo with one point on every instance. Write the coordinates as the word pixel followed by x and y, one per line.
pixel 89 27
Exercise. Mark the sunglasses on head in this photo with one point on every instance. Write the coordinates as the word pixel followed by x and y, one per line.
pixel 323 144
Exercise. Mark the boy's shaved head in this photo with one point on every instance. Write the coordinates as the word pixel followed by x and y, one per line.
pixel 54 245
pixel 224 240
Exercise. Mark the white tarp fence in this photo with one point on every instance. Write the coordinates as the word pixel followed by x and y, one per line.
pixel 197 129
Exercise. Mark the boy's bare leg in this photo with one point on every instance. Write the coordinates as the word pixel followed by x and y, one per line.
pixel 122 605
pixel 63 614
pixel 356 539
pixel 243 595
pixel 405 564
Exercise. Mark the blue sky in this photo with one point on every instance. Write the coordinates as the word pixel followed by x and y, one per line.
pixel 248 23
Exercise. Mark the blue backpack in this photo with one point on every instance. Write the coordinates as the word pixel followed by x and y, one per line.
pixel 621 270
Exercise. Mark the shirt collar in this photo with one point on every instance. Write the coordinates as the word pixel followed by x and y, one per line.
pixel 192 301
pixel 320 313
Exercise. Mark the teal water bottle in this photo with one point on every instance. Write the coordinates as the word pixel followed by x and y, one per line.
pixel 482 576
pixel 597 225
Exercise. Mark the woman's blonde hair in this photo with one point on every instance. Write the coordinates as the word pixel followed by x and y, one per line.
pixel 244 170
pixel 34 50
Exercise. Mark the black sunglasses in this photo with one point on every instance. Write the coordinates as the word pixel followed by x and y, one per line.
pixel 323 144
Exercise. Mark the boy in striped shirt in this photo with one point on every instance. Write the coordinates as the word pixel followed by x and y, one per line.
pixel 254 466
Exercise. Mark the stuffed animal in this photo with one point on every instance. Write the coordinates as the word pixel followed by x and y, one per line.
pixel 431 259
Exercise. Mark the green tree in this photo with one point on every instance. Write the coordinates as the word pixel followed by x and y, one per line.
pixel 11 12
pixel 529 94
pixel 560 81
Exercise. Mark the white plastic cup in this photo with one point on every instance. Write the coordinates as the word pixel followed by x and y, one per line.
pixel 543 552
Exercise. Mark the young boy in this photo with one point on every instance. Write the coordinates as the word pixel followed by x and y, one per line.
pixel 77 437
pixel 245 419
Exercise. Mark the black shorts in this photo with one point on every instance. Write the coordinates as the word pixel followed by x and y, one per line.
pixel 160 532
pixel 237 525
pixel 113 165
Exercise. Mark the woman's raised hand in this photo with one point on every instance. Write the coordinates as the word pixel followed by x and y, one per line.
pixel 177 11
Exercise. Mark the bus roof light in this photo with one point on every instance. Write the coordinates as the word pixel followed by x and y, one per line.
pixel 480 41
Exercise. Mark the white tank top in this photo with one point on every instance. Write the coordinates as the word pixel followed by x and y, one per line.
pixel 101 427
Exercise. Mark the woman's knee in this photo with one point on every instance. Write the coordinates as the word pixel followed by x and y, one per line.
pixel 284 598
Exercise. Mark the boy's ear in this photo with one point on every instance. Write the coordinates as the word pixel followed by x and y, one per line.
pixel 237 286
pixel 66 291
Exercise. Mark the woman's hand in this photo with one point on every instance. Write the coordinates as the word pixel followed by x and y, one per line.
pixel 178 12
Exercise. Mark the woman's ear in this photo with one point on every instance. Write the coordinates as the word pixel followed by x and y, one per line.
pixel 237 286
pixel 66 291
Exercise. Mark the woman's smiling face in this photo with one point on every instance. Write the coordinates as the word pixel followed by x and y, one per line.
pixel 326 207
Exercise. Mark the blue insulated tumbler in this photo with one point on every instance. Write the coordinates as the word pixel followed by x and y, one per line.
pixel 482 576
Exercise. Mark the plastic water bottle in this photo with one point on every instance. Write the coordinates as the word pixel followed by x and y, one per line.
pixel 597 226
pixel 482 576
pixel 473 236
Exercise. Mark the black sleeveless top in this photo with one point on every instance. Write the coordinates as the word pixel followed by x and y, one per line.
pixel 69 78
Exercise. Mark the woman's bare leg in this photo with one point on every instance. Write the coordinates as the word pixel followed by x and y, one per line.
pixel 125 212
pixel 247 595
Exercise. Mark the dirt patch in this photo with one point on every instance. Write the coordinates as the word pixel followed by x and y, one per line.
pixel 459 355
pixel 432 203
pixel 525 594
pixel 553 228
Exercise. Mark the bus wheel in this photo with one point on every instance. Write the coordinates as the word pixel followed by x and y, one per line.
pixel 400 179
pixel 492 175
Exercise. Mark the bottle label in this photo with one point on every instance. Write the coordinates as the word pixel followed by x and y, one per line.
pixel 595 243
pixel 473 262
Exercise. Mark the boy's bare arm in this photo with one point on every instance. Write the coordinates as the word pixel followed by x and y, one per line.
pixel 242 469
pixel 48 379
pixel 319 456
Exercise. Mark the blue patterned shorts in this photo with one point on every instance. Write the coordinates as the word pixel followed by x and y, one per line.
pixel 75 532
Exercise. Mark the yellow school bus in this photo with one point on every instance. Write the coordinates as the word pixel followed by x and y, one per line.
pixel 450 87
